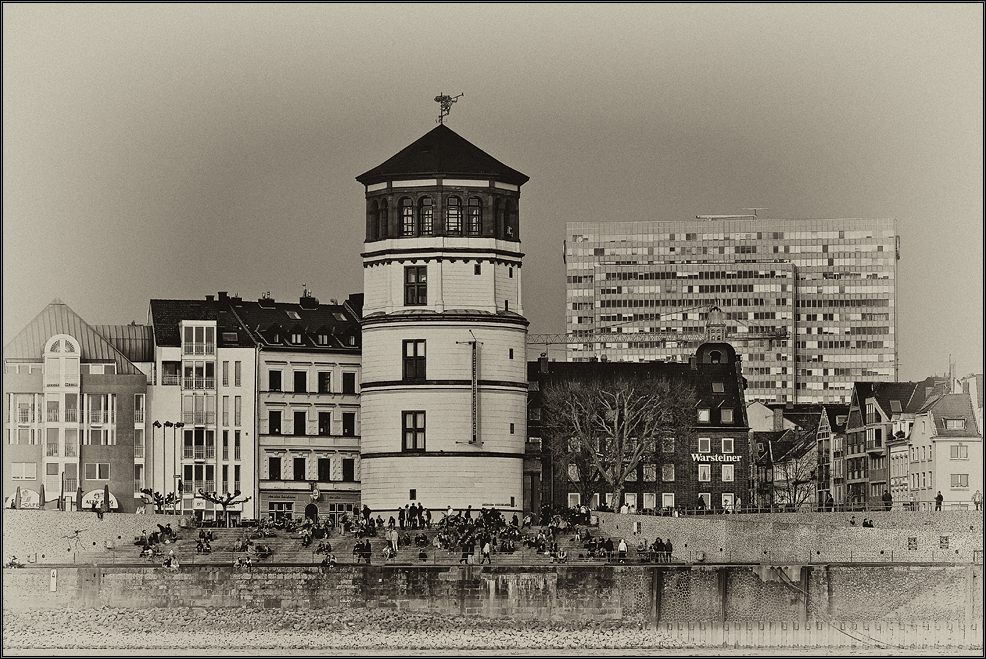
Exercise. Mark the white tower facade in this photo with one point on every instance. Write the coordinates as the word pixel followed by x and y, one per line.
pixel 444 389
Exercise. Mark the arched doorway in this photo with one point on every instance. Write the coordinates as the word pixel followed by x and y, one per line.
pixel 311 512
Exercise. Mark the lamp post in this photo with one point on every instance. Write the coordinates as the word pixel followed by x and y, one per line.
pixel 154 427
pixel 178 475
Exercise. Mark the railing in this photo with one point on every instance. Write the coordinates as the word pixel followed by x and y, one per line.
pixel 71 450
pixel 138 416
pixel 52 416
pixel 199 348
pixel 25 416
pixel 210 452
pixel 71 415
pixel 71 484
pixel 170 379
pixel 872 444
pixel 138 450
pixel 99 416
pixel 210 486
pixel 51 450
pixel 199 383
pixel 199 418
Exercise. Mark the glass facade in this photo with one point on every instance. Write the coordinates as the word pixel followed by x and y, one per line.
pixel 809 304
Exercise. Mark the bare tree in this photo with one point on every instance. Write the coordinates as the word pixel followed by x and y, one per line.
pixel 162 500
pixel 602 429
pixel 225 500
pixel 794 473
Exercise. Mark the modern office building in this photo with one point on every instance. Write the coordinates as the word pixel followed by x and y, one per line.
pixel 74 412
pixel 444 391
pixel 809 304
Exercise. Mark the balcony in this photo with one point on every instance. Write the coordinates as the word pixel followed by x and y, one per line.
pixel 99 416
pixel 875 446
pixel 71 415
pixel 199 418
pixel 25 416
pixel 170 379
pixel 199 348
pixel 52 416
pixel 138 416
pixel 71 484
pixel 51 450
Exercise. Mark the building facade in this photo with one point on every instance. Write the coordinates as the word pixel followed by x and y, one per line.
pixel 74 410
pixel 444 392
pixel 946 453
pixel 710 463
pixel 308 407
pixel 809 304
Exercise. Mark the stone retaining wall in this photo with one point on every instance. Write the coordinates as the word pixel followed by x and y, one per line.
pixel 950 536
pixel 735 594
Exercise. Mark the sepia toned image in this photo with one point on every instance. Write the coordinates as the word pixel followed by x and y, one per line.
pixel 493 329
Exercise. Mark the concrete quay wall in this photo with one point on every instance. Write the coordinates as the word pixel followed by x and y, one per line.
pixel 637 593
pixel 898 536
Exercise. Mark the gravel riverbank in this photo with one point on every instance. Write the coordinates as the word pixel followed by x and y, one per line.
pixel 357 631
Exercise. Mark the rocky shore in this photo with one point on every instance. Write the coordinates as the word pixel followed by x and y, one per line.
pixel 363 631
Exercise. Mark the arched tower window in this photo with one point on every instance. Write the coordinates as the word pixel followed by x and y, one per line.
pixel 510 211
pixel 474 217
pixel 62 365
pixel 426 214
pixel 407 217
pixel 498 225
pixel 453 216
pixel 384 219
pixel 372 220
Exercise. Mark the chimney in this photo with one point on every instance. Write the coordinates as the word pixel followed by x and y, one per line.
pixel 543 363
pixel 778 419
pixel 693 362
pixel 223 296
pixel 210 298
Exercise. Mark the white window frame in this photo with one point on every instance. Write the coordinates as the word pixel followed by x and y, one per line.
pixel 728 448
pixel 704 472
pixel 705 442
pixel 730 471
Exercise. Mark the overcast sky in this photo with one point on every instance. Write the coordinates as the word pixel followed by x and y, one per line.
pixel 174 151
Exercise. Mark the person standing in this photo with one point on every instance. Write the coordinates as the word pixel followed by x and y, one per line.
pixel 487 553
pixel 977 500
pixel 622 550
pixel 888 500
pixel 938 500
pixel 668 548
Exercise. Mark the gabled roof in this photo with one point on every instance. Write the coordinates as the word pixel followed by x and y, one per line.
pixel 58 318
pixel 136 342
pixel 953 406
pixel 166 317
pixel 834 413
pixel 337 322
pixel 442 151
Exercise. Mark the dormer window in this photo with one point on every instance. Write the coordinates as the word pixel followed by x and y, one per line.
pixel 296 338
pixel 718 388
pixel 954 424
pixel 726 415
pixel 323 339
pixel 351 340
pixel 703 415
pixel 293 315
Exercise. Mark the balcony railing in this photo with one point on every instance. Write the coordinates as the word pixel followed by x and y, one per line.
pixel 199 383
pixel 170 379
pixel 874 445
pixel 99 416
pixel 138 416
pixel 199 418
pixel 71 484
pixel 25 416
pixel 199 348
pixel 71 415
pixel 138 450
pixel 51 450
pixel 71 450
pixel 210 452
pixel 187 453
pixel 199 453
pixel 52 416
pixel 210 486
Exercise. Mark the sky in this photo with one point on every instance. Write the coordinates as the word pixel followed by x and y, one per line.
pixel 179 150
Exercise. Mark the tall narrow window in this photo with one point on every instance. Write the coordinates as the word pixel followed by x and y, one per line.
pixel 349 424
pixel 414 431
pixel 426 215
pixel 274 469
pixel 407 217
pixel 324 470
pixel 299 469
pixel 301 382
pixel 274 422
pixel 384 219
pixel 324 424
pixel 372 220
pixel 349 383
pixel 300 423
pixel 325 382
pixel 474 217
pixel 414 360
pixel 274 380
pixel 415 285
pixel 453 216
pixel 237 373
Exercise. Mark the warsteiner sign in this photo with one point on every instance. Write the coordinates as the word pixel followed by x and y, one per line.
pixel 708 457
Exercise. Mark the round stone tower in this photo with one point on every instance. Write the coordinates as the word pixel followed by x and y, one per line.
pixel 444 391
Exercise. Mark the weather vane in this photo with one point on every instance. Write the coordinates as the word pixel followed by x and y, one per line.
pixel 446 103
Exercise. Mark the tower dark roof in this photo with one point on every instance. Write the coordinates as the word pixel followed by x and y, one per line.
pixel 442 152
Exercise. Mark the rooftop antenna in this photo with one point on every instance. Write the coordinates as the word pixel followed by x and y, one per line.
pixel 446 104
pixel 756 210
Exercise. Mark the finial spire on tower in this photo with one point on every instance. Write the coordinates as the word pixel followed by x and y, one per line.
pixel 446 104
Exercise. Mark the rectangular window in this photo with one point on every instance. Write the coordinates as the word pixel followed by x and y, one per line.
pixel 274 469
pixel 236 478
pixel 726 415
pixel 237 410
pixel 954 424
pixel 414 431
pixel 325 382
pixel 727 473
pixel 414 360
pixel 237 373
pixel 703 416
pixel 274 422
pixel 727 445
pixel 704 473
pixel 960 480
pixel 650 473
pixel 301 382
pixel 667 472
pixel 139 408
pixel 349 470
pixel 349 383
pixel 138 478
pixel 299 469
pixel 704 444
pixel 274 380
pixel 958 452
pixel 97 471
pixel 667 499
pixel 225 374
pixel 24 471
pixel 349 424
pixel 574 499
pixel 300 423
pixel 324 470
pixel 415 285
pixel 226 410
pixel 667 445
pixel 324 424
pixel 138 443
pixel 225 447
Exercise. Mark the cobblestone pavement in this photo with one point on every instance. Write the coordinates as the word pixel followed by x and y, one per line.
pixel 361 631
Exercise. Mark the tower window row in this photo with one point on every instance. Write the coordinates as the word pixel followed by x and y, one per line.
pixel 448 215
